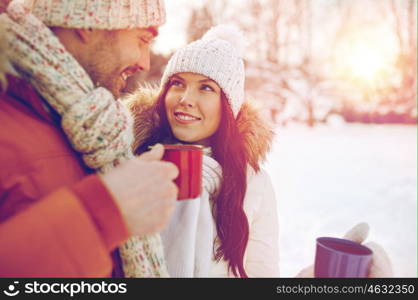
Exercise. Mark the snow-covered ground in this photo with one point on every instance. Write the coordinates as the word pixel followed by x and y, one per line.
pixel 327 179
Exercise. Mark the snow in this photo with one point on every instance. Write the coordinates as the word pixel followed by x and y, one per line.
pixel 329 178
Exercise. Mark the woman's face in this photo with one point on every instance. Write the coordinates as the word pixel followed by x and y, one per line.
pixel 193 106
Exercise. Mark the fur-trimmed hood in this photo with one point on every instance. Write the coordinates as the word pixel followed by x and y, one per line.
pixel 257 133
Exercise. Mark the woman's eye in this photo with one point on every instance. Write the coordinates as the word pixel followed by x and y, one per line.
pixel 176 83
pixel 206 87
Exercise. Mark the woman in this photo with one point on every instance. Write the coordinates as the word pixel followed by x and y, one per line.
pixel 202 102
pixel 232 229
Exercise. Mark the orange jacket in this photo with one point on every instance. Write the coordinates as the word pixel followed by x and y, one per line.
pixel 56 220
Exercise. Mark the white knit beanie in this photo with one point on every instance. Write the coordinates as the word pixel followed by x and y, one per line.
pixel 218 55
pixel 98 14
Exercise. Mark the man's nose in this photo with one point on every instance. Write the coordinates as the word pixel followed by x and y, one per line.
pixel 144 61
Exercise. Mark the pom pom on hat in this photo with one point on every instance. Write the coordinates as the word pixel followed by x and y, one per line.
pixel 229 33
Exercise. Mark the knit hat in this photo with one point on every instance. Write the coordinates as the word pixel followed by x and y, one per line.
pixel 218 55
pixel 99 14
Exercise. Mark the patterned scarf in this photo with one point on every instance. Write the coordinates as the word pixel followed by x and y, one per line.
pixel 97 126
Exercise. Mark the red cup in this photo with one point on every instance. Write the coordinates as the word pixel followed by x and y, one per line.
pixel 188 159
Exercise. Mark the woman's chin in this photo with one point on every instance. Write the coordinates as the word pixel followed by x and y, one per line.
pixel 188 139
pixel 185 139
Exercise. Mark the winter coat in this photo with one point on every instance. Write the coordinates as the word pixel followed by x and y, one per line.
pixel 260 205
pixel 56 218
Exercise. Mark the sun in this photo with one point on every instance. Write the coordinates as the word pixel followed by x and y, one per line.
pixel 365 62
pixel 364 55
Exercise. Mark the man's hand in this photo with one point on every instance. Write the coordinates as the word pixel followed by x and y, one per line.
pixel 144 190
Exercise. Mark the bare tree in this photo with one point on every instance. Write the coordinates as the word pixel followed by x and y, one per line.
pixel 401 94
pixel 201 19
pixel 283 67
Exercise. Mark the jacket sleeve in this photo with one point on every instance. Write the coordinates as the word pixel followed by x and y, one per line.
pixel 68 233
pixel 262 254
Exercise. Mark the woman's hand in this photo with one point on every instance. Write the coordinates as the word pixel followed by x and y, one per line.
pixel 380 266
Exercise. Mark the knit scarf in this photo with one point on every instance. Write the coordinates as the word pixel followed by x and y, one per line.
pixel 97 126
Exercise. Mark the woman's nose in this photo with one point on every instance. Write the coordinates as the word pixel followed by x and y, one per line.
pixel 185 103
pixel 187 99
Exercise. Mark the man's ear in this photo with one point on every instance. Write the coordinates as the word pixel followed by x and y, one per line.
pixel 85 35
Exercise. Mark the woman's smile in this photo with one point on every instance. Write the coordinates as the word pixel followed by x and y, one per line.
pixel 185 118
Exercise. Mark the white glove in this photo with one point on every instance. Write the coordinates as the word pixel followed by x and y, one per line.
pixel 380 266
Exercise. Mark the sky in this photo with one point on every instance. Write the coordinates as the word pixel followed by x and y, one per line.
pixel 172 33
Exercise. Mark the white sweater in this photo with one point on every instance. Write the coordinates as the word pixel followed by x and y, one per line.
pixel 188 239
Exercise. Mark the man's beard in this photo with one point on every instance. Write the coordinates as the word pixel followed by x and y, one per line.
pixel 103 69
pixel 101 78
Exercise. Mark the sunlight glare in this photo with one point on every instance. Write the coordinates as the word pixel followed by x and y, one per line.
pixel 365 55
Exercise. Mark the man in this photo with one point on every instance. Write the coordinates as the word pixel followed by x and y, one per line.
pixel 62 65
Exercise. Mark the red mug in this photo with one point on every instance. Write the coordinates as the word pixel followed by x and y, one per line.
pixel 188 159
